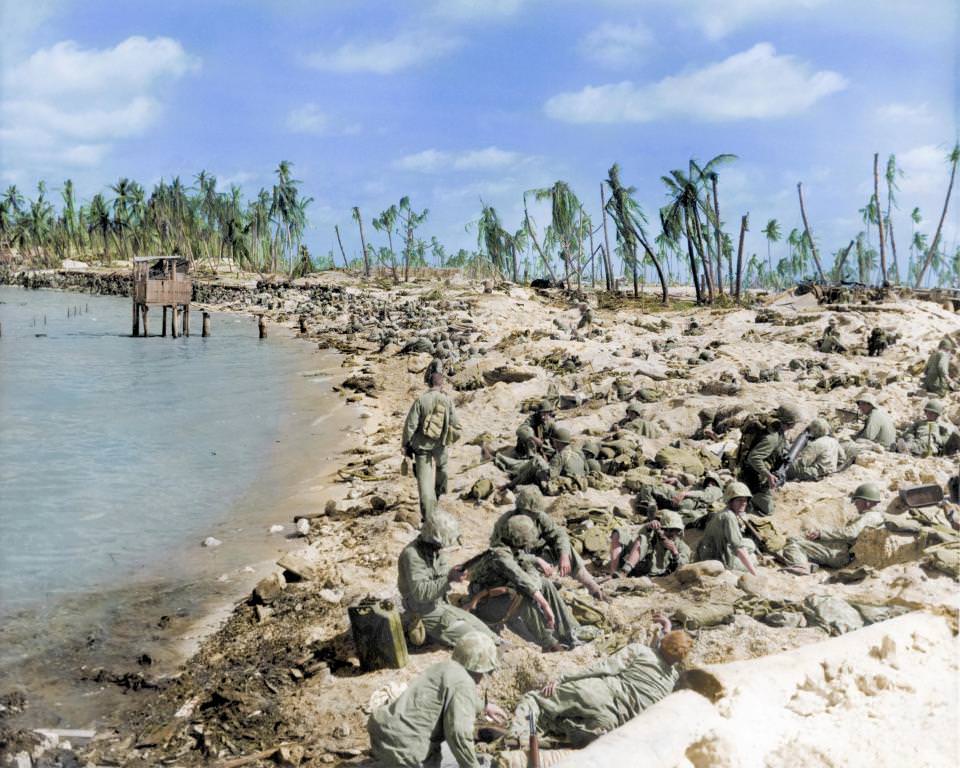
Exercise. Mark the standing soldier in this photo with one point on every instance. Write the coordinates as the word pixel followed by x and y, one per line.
pixel 936 374
pixel 430 427
pixel 833 547
pixel 762 453
pixel 424 580
pixel 440 705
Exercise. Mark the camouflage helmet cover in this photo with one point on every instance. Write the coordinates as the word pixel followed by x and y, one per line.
pixel 934 406
pixel 440 529
pixel 671 520
pixel 529 499
pixel 867 492
pixel 736 490
pixel 562 435
pixel 818 428
pixel 788 413
pixel 476 652
pixel 521 532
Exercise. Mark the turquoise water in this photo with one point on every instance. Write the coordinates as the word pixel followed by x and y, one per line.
pixel 116 452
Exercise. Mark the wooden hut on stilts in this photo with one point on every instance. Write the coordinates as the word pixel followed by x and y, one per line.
pixel 163 281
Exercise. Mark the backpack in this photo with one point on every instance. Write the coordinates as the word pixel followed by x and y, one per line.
pixel 753 430
pixel 433 423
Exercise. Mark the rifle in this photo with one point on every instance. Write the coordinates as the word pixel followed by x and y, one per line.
pixel 798 445
pixel 533 756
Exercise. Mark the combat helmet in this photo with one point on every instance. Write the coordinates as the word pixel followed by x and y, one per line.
pixel 440 529
pixel 934 406
pixel 670 520
pixel 788 414
pixel 476 652
pixel 867 398
pixel 521 532
pixel 736 490
pixel 867 492
pixel 818 428
pixel 562 435
pixel 946 345
pixel 529 499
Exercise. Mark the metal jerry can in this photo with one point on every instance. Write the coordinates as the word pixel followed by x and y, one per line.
pixel 378 634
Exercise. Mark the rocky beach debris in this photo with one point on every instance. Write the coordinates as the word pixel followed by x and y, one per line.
pixel 281 682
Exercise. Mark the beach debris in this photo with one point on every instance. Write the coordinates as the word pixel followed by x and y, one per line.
pixel 269 588
pixel 275 528
pixel 210 542
pixel 303 526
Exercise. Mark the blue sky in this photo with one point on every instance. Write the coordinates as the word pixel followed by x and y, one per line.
pixel 453 101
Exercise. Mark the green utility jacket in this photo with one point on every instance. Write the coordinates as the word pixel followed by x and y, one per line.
pixel 550 534
pixel 818 459
pixel 847 534
pixel 423 406
pixel 721 540
pixel 936 374
pixel 500 567
pixel 533 427
pixel 655 558
pixel 927 438
pixel 440 705
pixel 879 428
pixel 570 462
pixel 765 456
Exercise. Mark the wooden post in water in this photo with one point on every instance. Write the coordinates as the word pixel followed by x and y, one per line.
pixel 173 321
pixel 163 325
pixel 303 324
pixel 146 309
pixel 262 326
pixel 186 319
pixel 206 325
pixel 136 320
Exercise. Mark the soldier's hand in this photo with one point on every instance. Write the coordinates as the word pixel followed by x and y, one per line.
pixel 813 535
pixel 545 609
pixel 456 574
pixel 654 525
pixel 547 569
pixel 772 480
pixel 495 713
pixel 565 565
pixel 549 689
pixel 663 621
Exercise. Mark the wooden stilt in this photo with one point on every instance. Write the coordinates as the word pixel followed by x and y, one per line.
pixel 136 320
pixel 146 310
pixel 163 325
pixel 186 319
pixel 262 326
pixel 206 324
pixel 173 321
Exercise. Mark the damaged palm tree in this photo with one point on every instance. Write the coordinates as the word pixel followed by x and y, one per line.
pixel 629 220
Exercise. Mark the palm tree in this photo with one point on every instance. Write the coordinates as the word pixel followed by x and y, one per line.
pixel 98 220
pixel 410 220
pixel 890 176
pixel 564 207
pixel 629 219
pixel 773 235
pixel 385 223
pixel 708 173
pixel 953 158
pixel 493 240
pixel 682 216
pixel 363 241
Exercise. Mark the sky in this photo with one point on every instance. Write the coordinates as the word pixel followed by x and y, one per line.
pixel 457 103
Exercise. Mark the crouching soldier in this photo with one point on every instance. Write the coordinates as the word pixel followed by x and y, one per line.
pixel 929 436
pixel 834 547
pixel 723 537
pixel 440 705
pixel 820 457
pixel 424 579
pixel 657 550
pixel 509 587
pixel 579 707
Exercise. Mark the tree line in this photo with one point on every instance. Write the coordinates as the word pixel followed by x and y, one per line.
pixel 687 243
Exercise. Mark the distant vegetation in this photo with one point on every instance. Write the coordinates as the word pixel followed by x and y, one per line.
pixel 687 243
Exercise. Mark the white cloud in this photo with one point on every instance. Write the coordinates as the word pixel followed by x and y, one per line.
pixel 719 19
pixel 925 173
pixel 66 104
pixel 435 160
pixel 310 118
pixel 385 57
pixel 900 112
pixel 617 45
pixel 756 84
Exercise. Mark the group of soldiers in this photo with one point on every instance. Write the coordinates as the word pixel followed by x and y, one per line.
pixel 511 584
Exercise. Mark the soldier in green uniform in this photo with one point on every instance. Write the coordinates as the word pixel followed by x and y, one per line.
pixel 879 427
pixel 424 579
pixel 440 705
pixel 533 435
pixel 820 457
pixel 936 374
pixel 764 456
pixel 929 436
pixel 510 586
pixel 723 537
pixel 833 547
pixel 831 339
pixel 580 706
pixel 567 470
pixel 658 548
pixel 431 426
pixel 552 543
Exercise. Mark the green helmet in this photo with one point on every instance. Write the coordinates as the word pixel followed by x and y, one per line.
pixel 441 529
pixel 788 414
pixel 521 532
pixel 713 477
pixel 562 435
pixel 867 492
pixel 934 406
pixel 818 428
pixel 529 499
pixel 634 408
pixel 476 652
pixel 946 345
pixel 736 490
pixel 671 520
pixel 546 406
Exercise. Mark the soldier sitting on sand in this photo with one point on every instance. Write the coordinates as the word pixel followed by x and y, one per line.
pixel 830 342
pixel 936 373
pixel 656 549
pixel 723 537
pixel 930 436
pixel 878 427
pixel 820 457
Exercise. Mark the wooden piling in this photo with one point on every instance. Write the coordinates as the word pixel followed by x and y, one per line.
pixel 173 321
pixel 163 325
pixel 303 324
pixel 206 325
pixel 262 326
pixel 136 320
pixel 186 319
pixel 146 310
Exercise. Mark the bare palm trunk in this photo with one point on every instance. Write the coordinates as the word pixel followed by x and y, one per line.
pixel 336 229
pixel 533 238
pixel 694 277
pixel 838 267
pixel 607 259
pixel 743 232
pixel 943 215
pixel 876 197
pixel 702 251
pixel 716 214
pixel 806 227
